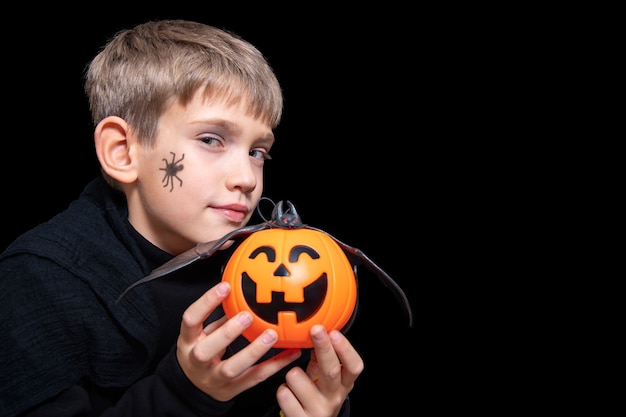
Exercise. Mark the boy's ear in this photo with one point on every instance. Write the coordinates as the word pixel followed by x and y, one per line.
pixel 113 149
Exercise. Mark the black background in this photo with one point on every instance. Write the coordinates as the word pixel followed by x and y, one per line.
pixel 354 152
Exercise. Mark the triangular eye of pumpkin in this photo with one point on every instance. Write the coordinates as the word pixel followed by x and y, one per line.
pixel 290 279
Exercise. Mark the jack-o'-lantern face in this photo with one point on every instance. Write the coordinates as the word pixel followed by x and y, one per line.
pixel 290 279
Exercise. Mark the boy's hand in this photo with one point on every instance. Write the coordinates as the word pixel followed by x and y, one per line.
pixel 200 350
pixel 334 367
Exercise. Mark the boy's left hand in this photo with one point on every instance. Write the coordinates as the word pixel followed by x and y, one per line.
pixel 321 391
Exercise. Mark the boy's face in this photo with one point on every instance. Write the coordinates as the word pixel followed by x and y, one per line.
pixel 202 179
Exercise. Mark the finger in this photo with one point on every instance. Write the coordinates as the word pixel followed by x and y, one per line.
pixel 222 336
pixel 246 358
pixel 351 362
pixel 192 323
pixel 328 362
pixel 306 394
pixel 210 328
pixel 267 368
pixel 287 401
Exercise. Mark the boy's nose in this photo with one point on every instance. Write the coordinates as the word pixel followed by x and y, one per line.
pixel 241 175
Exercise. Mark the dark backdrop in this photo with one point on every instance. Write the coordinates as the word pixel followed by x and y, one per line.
pixel 351 151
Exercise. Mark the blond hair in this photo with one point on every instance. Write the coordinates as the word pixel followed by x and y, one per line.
pixel 141 70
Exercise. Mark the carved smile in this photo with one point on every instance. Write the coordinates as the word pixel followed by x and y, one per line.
pixel 314 296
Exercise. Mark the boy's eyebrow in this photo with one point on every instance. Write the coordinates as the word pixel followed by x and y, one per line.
pixel 225 124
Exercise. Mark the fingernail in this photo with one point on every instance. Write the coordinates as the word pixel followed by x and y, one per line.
pixel 269 336
pixel 244 318
pixel 318 333
pixel 223 288
pixel 335 336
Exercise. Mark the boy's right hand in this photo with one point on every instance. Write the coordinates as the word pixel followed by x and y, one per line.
pixel 200 350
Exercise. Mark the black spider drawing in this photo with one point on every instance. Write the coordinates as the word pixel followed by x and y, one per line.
pixel 171 170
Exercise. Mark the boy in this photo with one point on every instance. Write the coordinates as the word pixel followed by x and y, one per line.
pixel 184 117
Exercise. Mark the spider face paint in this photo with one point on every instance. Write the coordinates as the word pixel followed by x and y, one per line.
pixel 171 171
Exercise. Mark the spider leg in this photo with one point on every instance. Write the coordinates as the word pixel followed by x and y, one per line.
pixel 199 252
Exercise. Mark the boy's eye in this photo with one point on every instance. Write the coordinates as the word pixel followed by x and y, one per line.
pixel 260 154
pixel 211 141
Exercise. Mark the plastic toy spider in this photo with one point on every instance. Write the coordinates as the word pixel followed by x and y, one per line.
pixel 171 169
